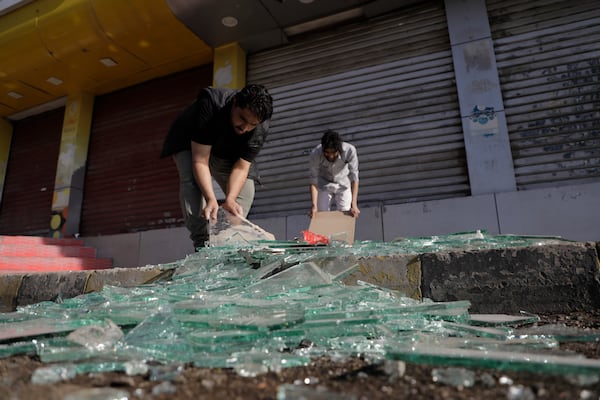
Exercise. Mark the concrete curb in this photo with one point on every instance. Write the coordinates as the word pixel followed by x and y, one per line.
pixel 401 272
pixel 30 288
pixel 538 279
pixel 9 291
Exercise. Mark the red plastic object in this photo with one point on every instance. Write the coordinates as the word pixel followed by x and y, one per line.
pixel 315 238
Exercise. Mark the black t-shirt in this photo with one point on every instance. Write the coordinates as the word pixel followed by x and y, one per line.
pixel 208 121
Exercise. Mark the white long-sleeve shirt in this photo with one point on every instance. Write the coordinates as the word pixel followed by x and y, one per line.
pixel 334 175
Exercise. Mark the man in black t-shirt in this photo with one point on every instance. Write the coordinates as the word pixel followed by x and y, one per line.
pixel 218 136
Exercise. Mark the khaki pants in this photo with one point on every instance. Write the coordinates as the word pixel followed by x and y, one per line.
pixel 192 201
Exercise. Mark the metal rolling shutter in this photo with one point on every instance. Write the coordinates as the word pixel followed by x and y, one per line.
pixel 26 205
pixel 548 56
pixel 387 85
pixel 128 188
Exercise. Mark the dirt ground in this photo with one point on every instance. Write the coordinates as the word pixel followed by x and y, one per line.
pixel 353 379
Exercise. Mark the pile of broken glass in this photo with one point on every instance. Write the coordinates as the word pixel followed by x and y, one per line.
pixel 264 305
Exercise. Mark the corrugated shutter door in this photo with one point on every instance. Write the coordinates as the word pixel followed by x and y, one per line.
pixel 128 188
pixel 548 56
pixel 26 205
pixel 388 87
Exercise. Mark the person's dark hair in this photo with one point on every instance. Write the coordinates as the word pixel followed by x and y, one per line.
pixel 257 99
pixel 331 140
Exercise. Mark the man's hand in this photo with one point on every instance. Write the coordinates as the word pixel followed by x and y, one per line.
pixel 354 211
pixel 313 212
pixel 211 210
pixel 237 179
pixel 233 207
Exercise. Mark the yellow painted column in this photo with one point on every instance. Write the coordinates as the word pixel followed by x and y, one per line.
pixel 6 131
pixel 70 171
pixel 229 66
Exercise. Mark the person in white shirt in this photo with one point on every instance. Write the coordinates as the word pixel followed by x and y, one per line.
pixel 334 176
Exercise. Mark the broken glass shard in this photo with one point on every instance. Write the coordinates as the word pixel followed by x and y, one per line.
pixel 501 360
pixel 231 230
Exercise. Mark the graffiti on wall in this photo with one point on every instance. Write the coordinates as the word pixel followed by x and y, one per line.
pixel 58 221
pixel 483 121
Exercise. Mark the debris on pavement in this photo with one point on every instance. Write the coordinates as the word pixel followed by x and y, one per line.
pixel 261 306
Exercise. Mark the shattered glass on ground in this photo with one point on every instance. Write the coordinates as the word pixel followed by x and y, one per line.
pixel 261 306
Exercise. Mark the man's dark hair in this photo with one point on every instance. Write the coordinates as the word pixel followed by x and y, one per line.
pixel 331 140
pixel 257 99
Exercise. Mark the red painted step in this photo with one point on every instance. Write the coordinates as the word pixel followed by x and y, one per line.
pixel 52 250
pixel 38 240
pixel 52 263
pixel 43 254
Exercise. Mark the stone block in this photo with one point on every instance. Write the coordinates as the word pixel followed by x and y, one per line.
pixel 537 279
pixel 401 272
pixel 39 287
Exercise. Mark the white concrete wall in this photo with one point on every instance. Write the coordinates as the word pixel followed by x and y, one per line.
pixel 571 212
pixel 143 248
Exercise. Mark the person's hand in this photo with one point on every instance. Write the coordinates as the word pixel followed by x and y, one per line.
pixel 211 210
pixel 233 207
pixel 313 212
pixel 354 211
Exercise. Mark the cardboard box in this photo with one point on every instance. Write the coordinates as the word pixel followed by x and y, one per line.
pixel 337 225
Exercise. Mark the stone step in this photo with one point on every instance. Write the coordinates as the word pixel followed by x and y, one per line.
pixel 39 240
pixel 27 254
pixel 47 250
pixel 48 264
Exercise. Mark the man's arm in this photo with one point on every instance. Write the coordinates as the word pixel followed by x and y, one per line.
pixel 237 178
pixel 314 193
pixel 313 176
pixel 200 157
pixel 353 175
pixel 354 206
